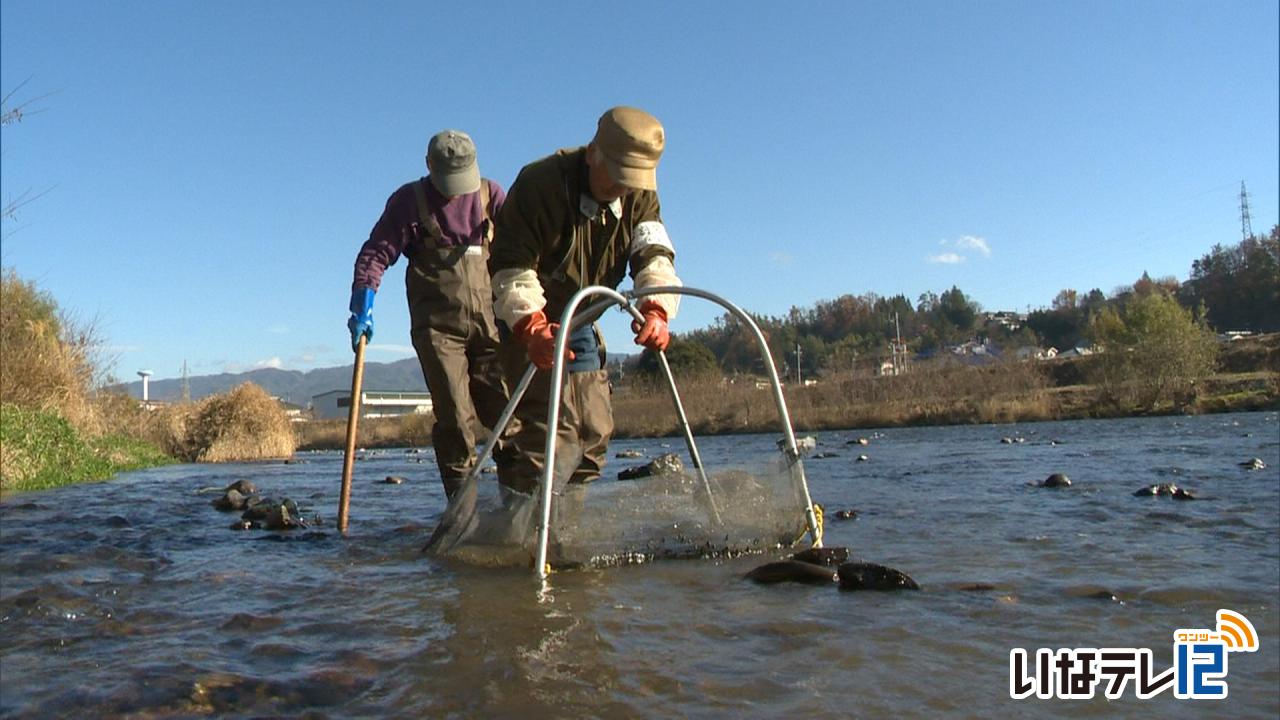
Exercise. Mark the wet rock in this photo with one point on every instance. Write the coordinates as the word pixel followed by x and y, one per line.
pixel 117 521
pixel 245 525
pixel 665 464
pixel 230 500
pixel 629 454
pixel 280 518
pixel 845 515
pixel 1056 480
pixel 863 458
pixel 1253 464
pixel 1164 490
pixel 823 556
pixel 392 480
pixel 824 455
pixel 263 510
pixel 858 441
pixel 244 487
pixel 977 587
pixel 870 576
pixel 803 444
pixel 792 571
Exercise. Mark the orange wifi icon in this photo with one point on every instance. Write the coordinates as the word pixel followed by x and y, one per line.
pixel 1237 632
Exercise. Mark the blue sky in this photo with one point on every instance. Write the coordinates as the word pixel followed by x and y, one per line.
pixel 206 171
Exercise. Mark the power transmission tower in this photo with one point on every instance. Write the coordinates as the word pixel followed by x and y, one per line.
pixel 1246 227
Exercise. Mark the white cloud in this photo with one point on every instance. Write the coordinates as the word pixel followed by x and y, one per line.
pixel 972 242
pixel 960 250
pixel 273 362
pixel 780 259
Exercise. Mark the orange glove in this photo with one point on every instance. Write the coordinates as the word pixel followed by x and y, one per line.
pixel 654 333
pixel 539 338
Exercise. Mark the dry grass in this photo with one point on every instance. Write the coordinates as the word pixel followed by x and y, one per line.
pixel 244 424
pixel 47 360
pixel 405 431
pixel 932 393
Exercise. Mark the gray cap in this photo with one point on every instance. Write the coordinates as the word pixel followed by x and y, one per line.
pixel 451 159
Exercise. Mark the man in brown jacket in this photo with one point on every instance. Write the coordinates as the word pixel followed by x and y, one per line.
pixel 577 218
pixel 443 223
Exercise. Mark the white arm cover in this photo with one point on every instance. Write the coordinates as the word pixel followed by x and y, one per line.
pixel 516 293
pixel 659 272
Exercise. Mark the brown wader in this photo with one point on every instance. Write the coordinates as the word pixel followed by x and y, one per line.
pixel 586 423
pixel 453 331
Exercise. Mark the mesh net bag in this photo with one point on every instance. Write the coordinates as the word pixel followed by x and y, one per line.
pixel 610 521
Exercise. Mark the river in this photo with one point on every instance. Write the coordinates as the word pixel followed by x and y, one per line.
pixel 133 598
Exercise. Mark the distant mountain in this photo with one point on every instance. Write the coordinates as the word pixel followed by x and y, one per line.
pixel 294 386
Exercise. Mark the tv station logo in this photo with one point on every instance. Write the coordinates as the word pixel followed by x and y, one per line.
pixel 1199 671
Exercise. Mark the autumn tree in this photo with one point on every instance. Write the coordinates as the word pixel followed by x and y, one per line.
pixel 1153 350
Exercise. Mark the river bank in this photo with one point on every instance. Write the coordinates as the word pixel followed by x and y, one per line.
pixel 42 450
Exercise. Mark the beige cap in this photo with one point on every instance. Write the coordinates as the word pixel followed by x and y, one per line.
pixel 631 141
pixel 451 158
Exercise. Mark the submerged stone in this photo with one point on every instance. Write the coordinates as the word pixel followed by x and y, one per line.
pixel 792 571
pixel 665 464
pixel 823 556
pixel 870 576
pixel 1164 489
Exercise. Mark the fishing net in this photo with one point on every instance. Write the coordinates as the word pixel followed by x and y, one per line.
pixel 611 521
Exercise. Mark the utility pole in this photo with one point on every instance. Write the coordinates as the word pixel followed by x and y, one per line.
pixel 799 382
pixel 1246 227
pixel 899 352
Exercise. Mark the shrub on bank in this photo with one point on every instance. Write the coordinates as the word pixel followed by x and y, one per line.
pixel 244 424
pixel 46 360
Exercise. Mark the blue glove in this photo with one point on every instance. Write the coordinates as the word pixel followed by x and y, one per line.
pixel 361 320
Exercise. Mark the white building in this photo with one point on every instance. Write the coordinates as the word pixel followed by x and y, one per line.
pixel 336 404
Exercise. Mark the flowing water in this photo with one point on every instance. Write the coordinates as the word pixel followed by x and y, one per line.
pixel 133 598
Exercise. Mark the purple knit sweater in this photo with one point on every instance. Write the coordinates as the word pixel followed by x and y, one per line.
pixel 461 222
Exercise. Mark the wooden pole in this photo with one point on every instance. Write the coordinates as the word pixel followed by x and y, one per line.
pixel 353 418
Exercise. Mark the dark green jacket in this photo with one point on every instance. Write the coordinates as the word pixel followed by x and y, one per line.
pixel 541 227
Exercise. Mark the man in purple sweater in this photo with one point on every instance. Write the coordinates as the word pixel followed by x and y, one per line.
pixel 443 224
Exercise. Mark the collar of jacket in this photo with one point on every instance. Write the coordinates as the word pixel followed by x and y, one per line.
pixel 590 207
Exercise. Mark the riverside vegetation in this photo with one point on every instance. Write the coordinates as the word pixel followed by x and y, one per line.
pixel 58 426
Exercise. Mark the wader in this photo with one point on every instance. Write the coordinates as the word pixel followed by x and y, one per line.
pixel 586 422
pixel 586 410
pixel 453 331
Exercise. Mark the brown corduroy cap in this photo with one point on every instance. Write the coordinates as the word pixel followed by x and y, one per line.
pixel 631 141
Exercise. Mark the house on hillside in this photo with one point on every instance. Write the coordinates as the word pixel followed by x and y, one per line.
pixel 336 404
pixel 1031 352
pixel 976 352
pixel 1077 351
